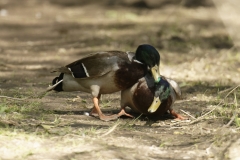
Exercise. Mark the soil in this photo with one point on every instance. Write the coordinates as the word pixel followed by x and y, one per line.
pixel 196 51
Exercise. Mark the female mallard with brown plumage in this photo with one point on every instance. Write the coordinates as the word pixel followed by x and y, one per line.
pixel 152 99
pixel 107 72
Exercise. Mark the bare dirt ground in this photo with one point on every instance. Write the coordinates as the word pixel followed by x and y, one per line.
pixel 196 51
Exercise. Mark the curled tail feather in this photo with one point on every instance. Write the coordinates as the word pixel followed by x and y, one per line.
pixel 56 83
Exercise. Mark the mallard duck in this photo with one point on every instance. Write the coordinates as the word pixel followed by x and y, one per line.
pixel 151 99
pixel 107 72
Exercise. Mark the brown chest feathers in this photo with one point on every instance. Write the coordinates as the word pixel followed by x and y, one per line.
pixel 143 97
pixel 128 74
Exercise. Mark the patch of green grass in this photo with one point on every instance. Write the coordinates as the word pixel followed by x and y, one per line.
pixel 107 101
pixel 89 131
pixel 162 145
pixel 20 115
pixel 229 108
pixel 237 121
pixel 19 107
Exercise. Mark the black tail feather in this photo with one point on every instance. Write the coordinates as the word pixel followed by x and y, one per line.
pixel 58 88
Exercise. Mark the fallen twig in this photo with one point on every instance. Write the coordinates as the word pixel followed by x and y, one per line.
pixel 8 122
pixel 40 95
pixel 203 116
pixel 20 99
pixel 200 118
pixel 231 120
pixel 235 113
pixel 187 114
pixel 133 120
pixel 225 90
pixel 110 130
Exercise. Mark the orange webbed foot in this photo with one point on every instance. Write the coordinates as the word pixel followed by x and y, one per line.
pixel 102 116
pixel 108 118
pixel 123 113
pixel 176 115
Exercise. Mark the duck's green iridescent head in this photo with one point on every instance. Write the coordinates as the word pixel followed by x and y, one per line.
pixel 148 55
pixel 162 92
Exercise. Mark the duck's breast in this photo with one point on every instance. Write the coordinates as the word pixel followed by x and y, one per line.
pixel 143 96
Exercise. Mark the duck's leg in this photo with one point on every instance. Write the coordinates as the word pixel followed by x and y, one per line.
pixel 93 110
pixel 178 116
pixel 97 110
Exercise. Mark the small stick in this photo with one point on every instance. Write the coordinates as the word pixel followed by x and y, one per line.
pixel 231 120
pixel 228 89
pixel 187 114
pixel 110 130
pixel 53 86
pixel 40 95
pixel 133 120
pixel 200 118
pixel 225 90
pixel 20 99
pixel 235 113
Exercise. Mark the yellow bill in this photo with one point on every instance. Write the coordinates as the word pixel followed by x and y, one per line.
pixel 155 104
pixel 155 73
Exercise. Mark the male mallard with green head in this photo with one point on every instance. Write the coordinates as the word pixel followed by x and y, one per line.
pixel 107 72
pixel 152 99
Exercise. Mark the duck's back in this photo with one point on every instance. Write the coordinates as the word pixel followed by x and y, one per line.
pixel 98 64
pixel 111 71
